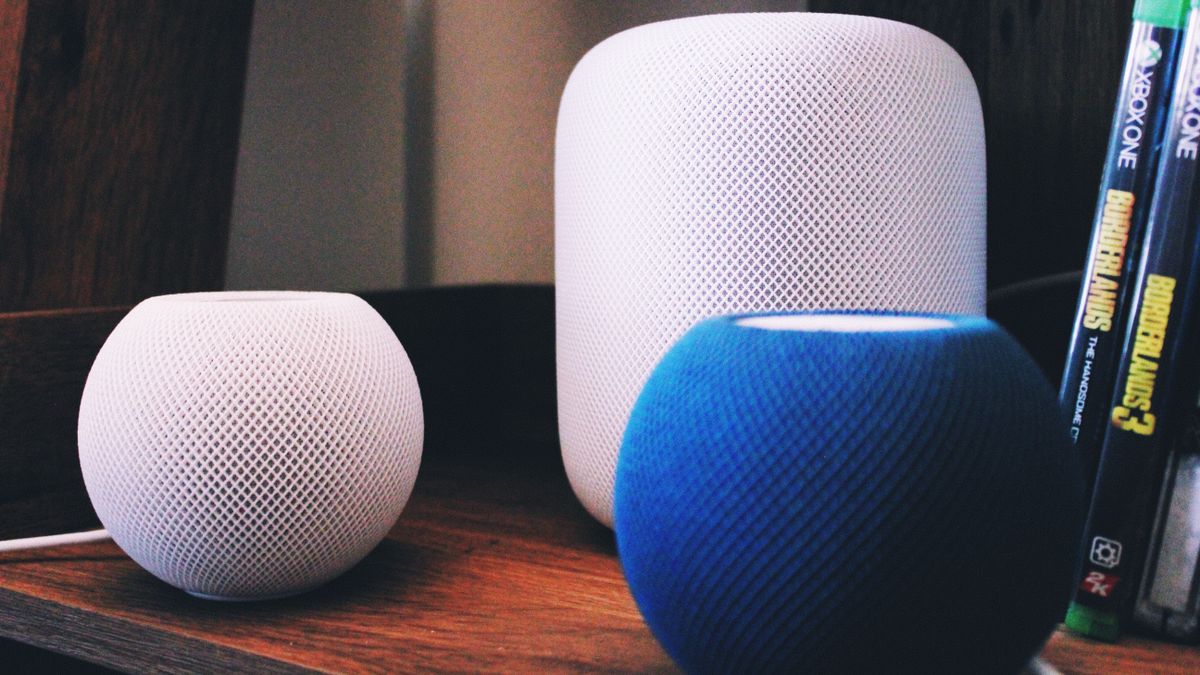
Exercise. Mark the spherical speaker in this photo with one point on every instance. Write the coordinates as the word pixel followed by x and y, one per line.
pixel 836 493
pixel 738 163
pixel 249 445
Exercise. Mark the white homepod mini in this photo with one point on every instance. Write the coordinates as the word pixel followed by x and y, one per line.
pixel 250 445
pixel 746 163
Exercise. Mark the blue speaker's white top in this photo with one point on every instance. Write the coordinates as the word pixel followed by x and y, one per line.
pixel 739 163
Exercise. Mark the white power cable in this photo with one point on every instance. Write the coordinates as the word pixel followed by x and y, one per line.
pixel 29 543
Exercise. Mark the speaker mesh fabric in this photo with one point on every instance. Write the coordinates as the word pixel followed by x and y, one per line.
pixel 737 163
pixel 250 444
pixel 843 502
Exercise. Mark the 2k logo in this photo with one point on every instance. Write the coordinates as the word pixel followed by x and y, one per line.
pixel 1099 583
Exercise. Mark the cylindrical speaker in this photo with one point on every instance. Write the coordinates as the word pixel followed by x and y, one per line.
pixel 248 445
pixel 849 493
pixel 753 162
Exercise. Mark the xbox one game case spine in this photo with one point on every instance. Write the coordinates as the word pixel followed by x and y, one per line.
pixel 1124 200
pixel 1151 371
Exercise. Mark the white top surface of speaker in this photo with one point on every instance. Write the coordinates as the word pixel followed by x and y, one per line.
pixel 845 323
pixel 747 163
pixel 250 445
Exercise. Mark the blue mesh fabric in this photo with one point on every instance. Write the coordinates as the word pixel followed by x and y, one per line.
pixel 831 502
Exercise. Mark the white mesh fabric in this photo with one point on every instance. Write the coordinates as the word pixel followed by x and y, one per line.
pixel 737 163
pixel 245 445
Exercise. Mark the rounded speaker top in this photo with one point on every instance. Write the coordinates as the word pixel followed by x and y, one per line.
pixel 250 444
pixel 744 163
pixel 235 297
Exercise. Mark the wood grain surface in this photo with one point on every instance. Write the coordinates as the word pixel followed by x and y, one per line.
pixel 1074 655
pixel 118 139
pixel 1047 72
pixel 492 567
pixel 12 33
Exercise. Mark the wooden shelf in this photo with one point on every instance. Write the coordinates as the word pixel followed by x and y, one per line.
pixel 1072 654
pixel 493 567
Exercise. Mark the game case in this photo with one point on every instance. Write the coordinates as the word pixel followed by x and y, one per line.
pixel 1149 373
pixel 1168 599
pixel 1124 200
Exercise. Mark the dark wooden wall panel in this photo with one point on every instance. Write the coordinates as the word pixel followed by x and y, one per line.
pixel 117 181
pixel 1053 72
pixel 44 361
pixel 12 30
pixel 1047 72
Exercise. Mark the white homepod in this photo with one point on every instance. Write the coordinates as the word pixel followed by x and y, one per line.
pixel 250 445
pixel 746 163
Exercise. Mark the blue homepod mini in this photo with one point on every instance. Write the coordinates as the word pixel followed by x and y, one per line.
pixel 848 492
